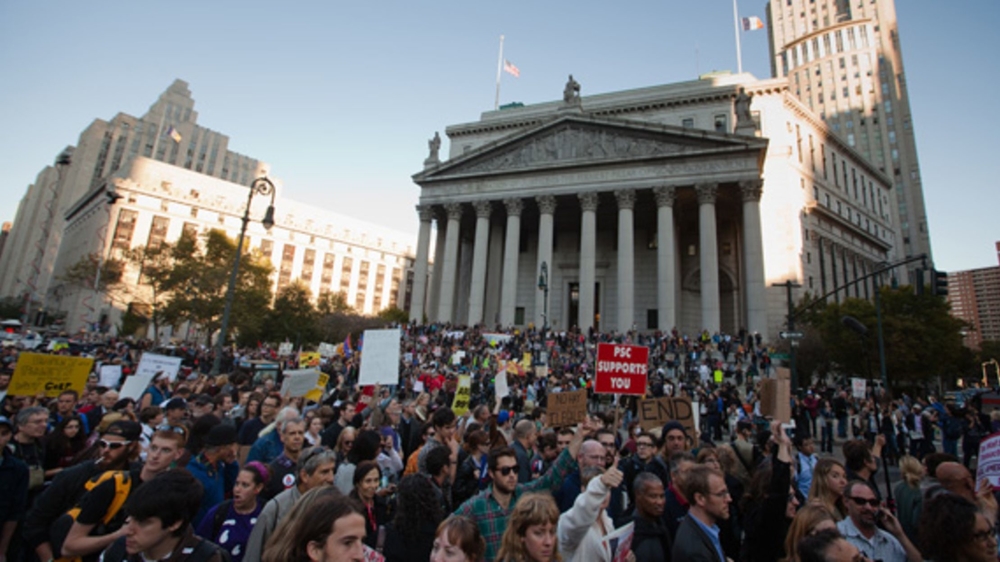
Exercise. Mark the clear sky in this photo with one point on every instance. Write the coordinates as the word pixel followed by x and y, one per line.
pixel 341 97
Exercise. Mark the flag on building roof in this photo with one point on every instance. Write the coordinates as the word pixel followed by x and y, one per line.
pixel 509 68
pixel 752 23
pixel 174 134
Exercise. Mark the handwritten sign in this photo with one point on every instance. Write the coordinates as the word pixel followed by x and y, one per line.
pixel 50 374
pixel 135 385
pixel 655 412
pixel 567 408
pixel 327 350
pixel 462 395
pixel 380 360
pixel 285 349
pixel 989 460
pixel 299 382
pixel 110 375
pixel 153 363
pixel 309 360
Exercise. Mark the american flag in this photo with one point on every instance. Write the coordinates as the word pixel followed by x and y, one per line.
pixel 509 68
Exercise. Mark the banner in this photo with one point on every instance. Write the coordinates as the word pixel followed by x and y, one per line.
pixel 49 374
pixel 462 395
pixel 110 375
pixel 776 396
pixel 621 369
pixel 153 363
pixel 989 461
pixel 309 360
pixel 859 388
pixel 380 360
pixel 655 412
pixel 566 408
pixel 501 385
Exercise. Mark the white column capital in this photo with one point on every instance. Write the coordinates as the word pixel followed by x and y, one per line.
pixel 514 206
pixel 483 209
pixel 625 198
pixel 665 195
pixel 546 204
pixel 751 190
pixel 454 211
pixel 589 201
pixel 707 193
pixel 426 212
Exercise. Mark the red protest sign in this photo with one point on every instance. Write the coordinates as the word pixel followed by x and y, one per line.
pixel 621 369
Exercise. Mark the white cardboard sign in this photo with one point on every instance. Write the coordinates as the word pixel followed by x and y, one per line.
pixel 380 359
pixel 299 382
pixel 110 374
pixel 135 385
pixel 152 363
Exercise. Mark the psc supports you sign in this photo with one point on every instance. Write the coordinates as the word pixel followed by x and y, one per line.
pixel 621 369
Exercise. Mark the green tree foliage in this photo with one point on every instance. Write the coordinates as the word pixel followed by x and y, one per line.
pixel 394 315
pixel 155 265
pixel 83 273
pixel 922 339
pixel 293 317
pixel 11 308
pixel 198 280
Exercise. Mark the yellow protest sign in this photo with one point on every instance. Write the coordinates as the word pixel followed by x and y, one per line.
pixel 316 394
pixel 36 373
pixel 309 360
pixel 462 395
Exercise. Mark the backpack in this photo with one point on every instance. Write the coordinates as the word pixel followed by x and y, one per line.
pixel 60 528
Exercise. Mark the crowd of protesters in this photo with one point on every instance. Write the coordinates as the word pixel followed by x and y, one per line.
pixel 201 468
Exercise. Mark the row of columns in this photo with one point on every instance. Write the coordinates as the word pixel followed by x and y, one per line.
pixel 845 265
pixel 441 300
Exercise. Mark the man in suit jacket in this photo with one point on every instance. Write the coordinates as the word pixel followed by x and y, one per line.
pixel 698 535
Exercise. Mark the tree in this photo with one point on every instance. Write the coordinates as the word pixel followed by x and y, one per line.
pixel 198 280
pixel 84 273
pixel 155 265
pixel 394 315
pixel 293 316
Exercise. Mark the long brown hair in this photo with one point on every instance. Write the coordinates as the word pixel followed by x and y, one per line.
pixel 310 519
pixel 820 491
pixel 805 521
pixel 531 509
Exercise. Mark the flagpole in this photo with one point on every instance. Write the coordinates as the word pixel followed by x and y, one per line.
pixel 496 102
pixel 159 133
pixel 736 29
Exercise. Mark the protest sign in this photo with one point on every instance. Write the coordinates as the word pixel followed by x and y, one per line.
pixel 135 385
pixel 285 349
pixel 776 396
pixel 501 384
pixel 316 394
pixel 299 382
pixel 655 412
pixel 462 395
pixel 110 375
pixel 495 339
pixel 327 350
pixel 567 408
pixel 619 542
pixel 989 460
pixel 309 360
pixel 542 371
pixel 418 386
pixel 621 369
pixel 380 360
pixel 153 363
pixel 859 387
pixel 49 374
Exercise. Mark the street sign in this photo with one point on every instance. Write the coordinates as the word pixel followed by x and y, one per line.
pixel 791 335
pixel 621 369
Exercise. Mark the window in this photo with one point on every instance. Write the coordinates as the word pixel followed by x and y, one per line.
pixel 157 231
pixel 124 229
pixel 720 124
pixel 688 122
pixel 519 316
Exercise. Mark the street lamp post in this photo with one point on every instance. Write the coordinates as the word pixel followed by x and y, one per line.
pixel 264 187
pixel 543 284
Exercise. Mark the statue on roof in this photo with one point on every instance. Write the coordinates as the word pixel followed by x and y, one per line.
pixel 741 106
pixel 571 94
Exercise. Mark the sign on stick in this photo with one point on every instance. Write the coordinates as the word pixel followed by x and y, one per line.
pixel 621 369
pixel 655 412
pixel 989 460
pixel 567 408
pixel 299 382
pixel 36 373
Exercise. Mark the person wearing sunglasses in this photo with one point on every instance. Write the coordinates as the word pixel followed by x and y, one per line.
pixel 860 528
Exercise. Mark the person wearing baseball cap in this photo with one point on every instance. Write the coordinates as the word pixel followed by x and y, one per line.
pixel 215 467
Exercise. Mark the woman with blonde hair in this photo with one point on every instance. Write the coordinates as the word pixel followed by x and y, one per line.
pixel 345 441
pixel 809 520
pixel 531 531
pixel 909 499
pixel 828 484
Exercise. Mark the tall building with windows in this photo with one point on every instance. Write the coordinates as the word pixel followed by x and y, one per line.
pixel 974 295
pixel 843 59
pixel 143 181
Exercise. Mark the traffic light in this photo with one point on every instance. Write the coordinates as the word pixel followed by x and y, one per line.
pixel 939 283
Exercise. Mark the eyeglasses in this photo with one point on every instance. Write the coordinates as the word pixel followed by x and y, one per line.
pixel 874 502
pixel 113 445
pixel 506 470
pixel 985 536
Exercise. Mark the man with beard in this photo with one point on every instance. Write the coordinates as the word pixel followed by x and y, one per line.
pixel 698 535
pixel 68 486
pixel 215 467
pixel 97 520
pixel 157 393
pixel 860 528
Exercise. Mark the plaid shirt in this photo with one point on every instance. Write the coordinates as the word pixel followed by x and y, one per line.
pixel 492 518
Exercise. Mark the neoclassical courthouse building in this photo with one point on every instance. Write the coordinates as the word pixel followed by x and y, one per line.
pixel 675 206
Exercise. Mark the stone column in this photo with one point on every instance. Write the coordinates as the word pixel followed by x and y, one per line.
pixel 449 269
pixel 494 274
pixel 666 284
pixel 434 300
pixel 419 294
pixel 753 257
pixel 626 259
pixel 477 296
pixel 508 293
pixel 546 224
pixel 709 254
pixel 588 257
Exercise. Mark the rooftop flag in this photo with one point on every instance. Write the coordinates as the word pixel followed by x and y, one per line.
pixel 509 68
pixel 752 23
pixel 174 134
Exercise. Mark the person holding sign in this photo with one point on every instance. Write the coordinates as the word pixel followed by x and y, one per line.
pixel 582 529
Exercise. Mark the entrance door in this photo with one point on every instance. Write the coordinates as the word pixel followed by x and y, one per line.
pixel 574 305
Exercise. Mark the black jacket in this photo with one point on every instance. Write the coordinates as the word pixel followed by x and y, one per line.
pixel 765 523
pixel 692 544
pixel 64 492
pixel 398 549
pixel 650 541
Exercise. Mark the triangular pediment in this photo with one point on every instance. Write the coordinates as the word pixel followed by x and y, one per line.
pixel 582 140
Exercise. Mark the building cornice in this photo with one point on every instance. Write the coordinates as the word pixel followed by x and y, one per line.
pixel 814 207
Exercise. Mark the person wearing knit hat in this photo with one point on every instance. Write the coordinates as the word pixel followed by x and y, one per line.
pixel 215 467
pixel 674 438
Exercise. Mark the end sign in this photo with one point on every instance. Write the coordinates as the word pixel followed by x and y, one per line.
pixel 621 369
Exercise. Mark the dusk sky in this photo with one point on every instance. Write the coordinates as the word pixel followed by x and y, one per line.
pixel 340 98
